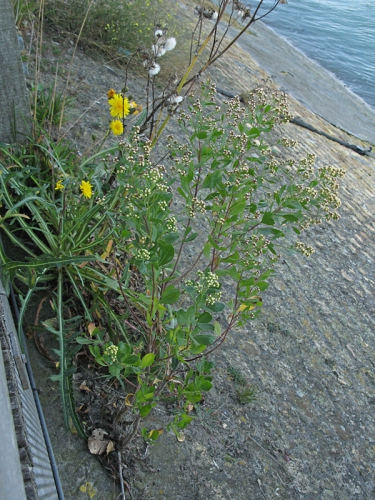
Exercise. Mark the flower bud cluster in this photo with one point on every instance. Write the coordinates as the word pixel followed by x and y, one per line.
pixel 197 205
pixel 172 225
pixel 289 143
pixel 306 250
pixel 311 221
pixel 257 245
pixel 163 205
pixel 331 199
pixel 154 175
pixel 306 192
pixel 213 298
pixel 143 254
pixel 204 282
pixel 145 193
pixel 331 172
pixel 111 351
pixel 100 201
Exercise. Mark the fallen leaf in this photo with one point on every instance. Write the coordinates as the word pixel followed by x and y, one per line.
pixel 84 387
pixel 88 488
pixel 181 437
pixel 107 250
pixel 91 327
pixel 127 399
pixel 189 408
pixel 110 447
pixel 155 433
pixel 82 409
pixel 97 442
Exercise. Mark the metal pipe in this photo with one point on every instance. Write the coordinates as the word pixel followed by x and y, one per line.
pixel 38 405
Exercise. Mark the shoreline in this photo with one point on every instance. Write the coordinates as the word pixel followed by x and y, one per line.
pixel 330 73
pixel 313 86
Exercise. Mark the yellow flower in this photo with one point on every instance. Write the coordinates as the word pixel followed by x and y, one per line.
pixel 135 108
pixel 119 106
pixel 117 127
pixel 59 185
pixel 111 93
pixel 86 189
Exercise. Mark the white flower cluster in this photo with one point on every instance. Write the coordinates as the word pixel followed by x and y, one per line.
pixel 211 279
pixel 306 250
pixel 172 224
pixel 154 175
pixel 203 283
pixel 163 205
pixel 111 351
pixel 212 299
pixel 143 254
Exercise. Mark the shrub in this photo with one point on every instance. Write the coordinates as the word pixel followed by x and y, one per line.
pixel 147 249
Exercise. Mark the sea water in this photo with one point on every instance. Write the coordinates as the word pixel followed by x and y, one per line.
pixel 338 34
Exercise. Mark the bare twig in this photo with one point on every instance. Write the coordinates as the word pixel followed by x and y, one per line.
pixel 120 474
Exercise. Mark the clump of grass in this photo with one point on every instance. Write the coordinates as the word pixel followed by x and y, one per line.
pixel 24 11
pixel 246 393
pixel 236 375
pixel 275 328
pixel 48 105
pixel 116 29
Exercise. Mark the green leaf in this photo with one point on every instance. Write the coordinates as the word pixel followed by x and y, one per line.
pixel 49 262
pixel 236 208
pixel 145 410
pixel 202 383
pixel 205 318
pixel 207 250
pixel 170 295
pixel 213 179
pixel 201 135
pixel 191 237
pixel 292 217
pixel 147 360
pixel 205 339
pixel 130 360
pixel 268 219
pixel 185 318
pixel 217 328
pixel 217 307
pixel 166 253
pixel 253 132
pixel 141 118
pixel 83 340
pixel 213 243
pixel 183 420
pixel 193 396
pixel 262 285
pixel 276 233
pixel 233 258
pixel 115 370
